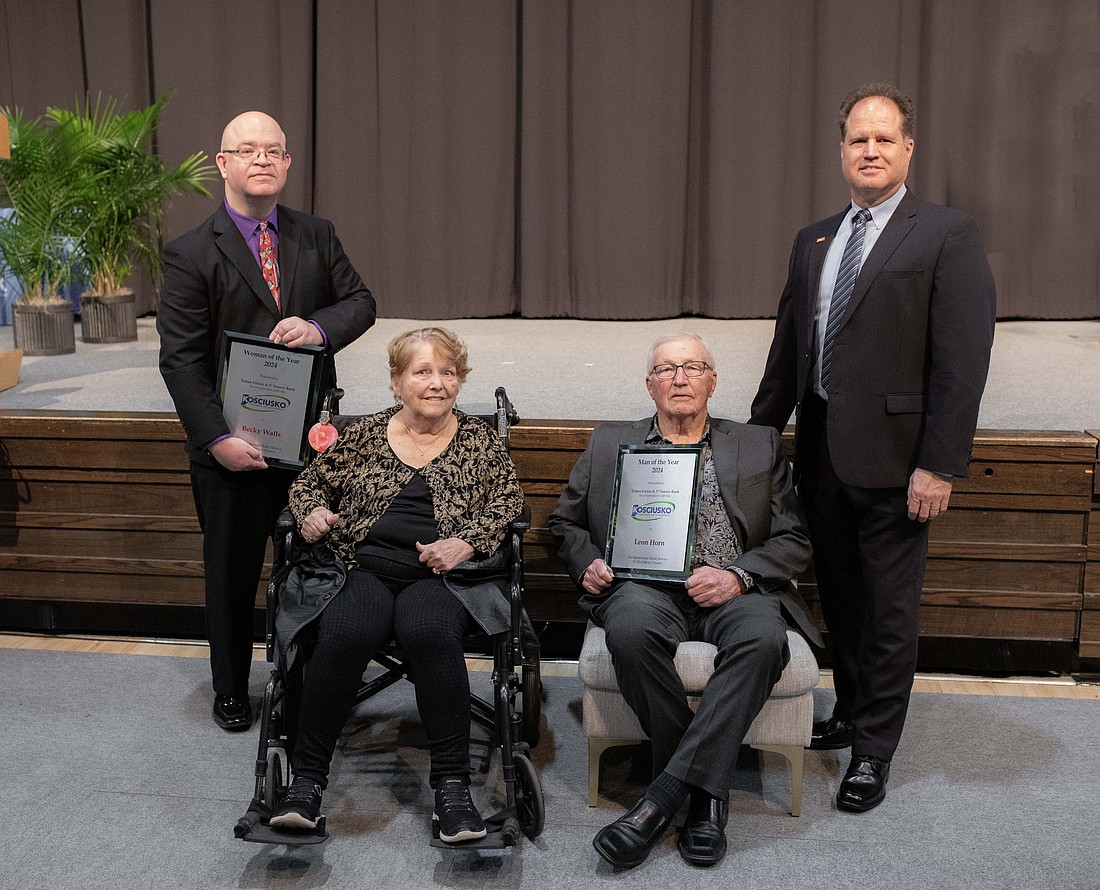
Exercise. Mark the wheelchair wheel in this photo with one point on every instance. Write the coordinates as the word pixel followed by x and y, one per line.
pixel 530 805
pixel 531 703
pixel 277 775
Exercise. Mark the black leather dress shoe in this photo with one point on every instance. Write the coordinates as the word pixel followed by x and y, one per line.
pixel 627 841
pixel 231 713
pixel 828 735
pixel 703 837
pixel 864 784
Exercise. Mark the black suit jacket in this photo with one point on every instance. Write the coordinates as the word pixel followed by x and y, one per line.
pixel 910 360
pixel 755 483
pixel 212 283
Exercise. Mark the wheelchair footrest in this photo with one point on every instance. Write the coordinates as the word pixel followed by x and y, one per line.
pixel 250 828
pixel 502 830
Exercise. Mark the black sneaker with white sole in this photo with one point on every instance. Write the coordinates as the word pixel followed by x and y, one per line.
pixel 456 814
pixel 300 808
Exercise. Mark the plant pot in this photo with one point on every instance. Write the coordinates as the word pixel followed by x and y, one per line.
pixel 9 368
pixel 108 319
pixel 44 328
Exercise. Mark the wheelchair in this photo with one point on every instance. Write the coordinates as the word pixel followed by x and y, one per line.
pixel 511 719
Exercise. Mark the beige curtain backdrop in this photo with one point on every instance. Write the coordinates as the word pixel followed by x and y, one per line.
pixel 608 158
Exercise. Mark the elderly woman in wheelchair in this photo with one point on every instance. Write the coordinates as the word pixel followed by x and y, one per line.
pixel 403 497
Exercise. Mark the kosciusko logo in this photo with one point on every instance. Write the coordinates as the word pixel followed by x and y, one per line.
pixel 264 402
pixel 651 511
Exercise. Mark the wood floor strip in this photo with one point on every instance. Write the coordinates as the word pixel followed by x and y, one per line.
pixel 951 684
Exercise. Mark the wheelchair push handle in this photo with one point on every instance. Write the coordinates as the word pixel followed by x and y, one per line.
pixel 331 404
pixel 323 434
pixel 506 414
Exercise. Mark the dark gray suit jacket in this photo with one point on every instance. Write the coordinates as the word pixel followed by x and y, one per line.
pixel 911 357
pixel 212 283
pixel 755 482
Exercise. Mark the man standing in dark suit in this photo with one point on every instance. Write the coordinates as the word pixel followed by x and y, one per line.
pixel 749 544
pixel 882 341
pixel 253 267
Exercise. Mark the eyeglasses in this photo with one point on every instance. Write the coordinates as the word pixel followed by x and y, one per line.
pixel 691 369
pixel 250 154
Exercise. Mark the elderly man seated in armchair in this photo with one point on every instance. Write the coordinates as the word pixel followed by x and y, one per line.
pixel 749 545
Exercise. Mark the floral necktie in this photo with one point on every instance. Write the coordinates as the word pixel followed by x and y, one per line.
pixel 269 264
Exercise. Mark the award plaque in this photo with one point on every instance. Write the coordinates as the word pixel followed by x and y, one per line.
pixel 269 395
pixel 651 534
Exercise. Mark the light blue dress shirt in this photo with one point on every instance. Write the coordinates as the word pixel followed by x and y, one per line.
pixel 880 216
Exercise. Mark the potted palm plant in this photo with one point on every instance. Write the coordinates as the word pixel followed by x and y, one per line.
pixel 123 187
pixel 36 244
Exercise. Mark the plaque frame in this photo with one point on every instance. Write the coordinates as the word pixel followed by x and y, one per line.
pixel 620 566
pixel 308 376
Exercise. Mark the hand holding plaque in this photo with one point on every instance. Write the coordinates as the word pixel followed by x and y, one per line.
pixel 651 534
pixel 269 394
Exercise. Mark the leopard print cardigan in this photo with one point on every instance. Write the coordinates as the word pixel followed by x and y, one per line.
pixel 473 484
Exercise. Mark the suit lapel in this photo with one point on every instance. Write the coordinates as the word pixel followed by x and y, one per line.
pixel 901 224
pixel 234 248
pixel 725 452
pixel 288 259
pixel 823 238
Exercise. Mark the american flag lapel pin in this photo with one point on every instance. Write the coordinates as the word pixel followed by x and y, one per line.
pixel 819 240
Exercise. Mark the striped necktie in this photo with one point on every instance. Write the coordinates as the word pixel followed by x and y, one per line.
pixel 842 290
pixel 269 263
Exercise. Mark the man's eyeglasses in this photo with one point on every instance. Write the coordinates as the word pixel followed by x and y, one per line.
pixel 691 369
pixel 250 154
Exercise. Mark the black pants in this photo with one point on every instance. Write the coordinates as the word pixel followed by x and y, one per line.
pixel 869 559
pixel 237 512
pixel 429 625
pixel 644 624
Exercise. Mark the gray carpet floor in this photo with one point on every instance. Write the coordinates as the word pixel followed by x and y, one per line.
pixel 1044 374
pixel 116 777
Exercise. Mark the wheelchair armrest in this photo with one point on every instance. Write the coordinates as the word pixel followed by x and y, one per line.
pixel 281 536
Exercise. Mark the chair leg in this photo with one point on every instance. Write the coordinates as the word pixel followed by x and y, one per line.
pixel 795 755
pixel 596 747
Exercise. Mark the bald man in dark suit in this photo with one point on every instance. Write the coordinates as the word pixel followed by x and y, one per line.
pixel 882 342
pixel 253 267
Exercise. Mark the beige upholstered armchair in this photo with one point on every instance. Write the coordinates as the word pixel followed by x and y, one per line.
pixel 783 726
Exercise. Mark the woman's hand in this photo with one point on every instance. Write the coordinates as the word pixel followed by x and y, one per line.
pixel 318 524
pixel 442 556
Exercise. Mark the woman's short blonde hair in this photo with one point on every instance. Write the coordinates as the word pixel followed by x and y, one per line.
pixel 446 344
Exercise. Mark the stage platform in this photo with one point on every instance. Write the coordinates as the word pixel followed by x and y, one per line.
pixel 1045 375
pixel 98 532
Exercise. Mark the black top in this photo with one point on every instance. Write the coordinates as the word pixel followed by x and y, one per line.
pixel 408 519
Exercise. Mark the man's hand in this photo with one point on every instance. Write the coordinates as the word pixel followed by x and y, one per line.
pixel 295 331
pixel 237 454
pixel 318 523
pixel 442 556
pixel 929 495
pixel 597 577
pixel 711 587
